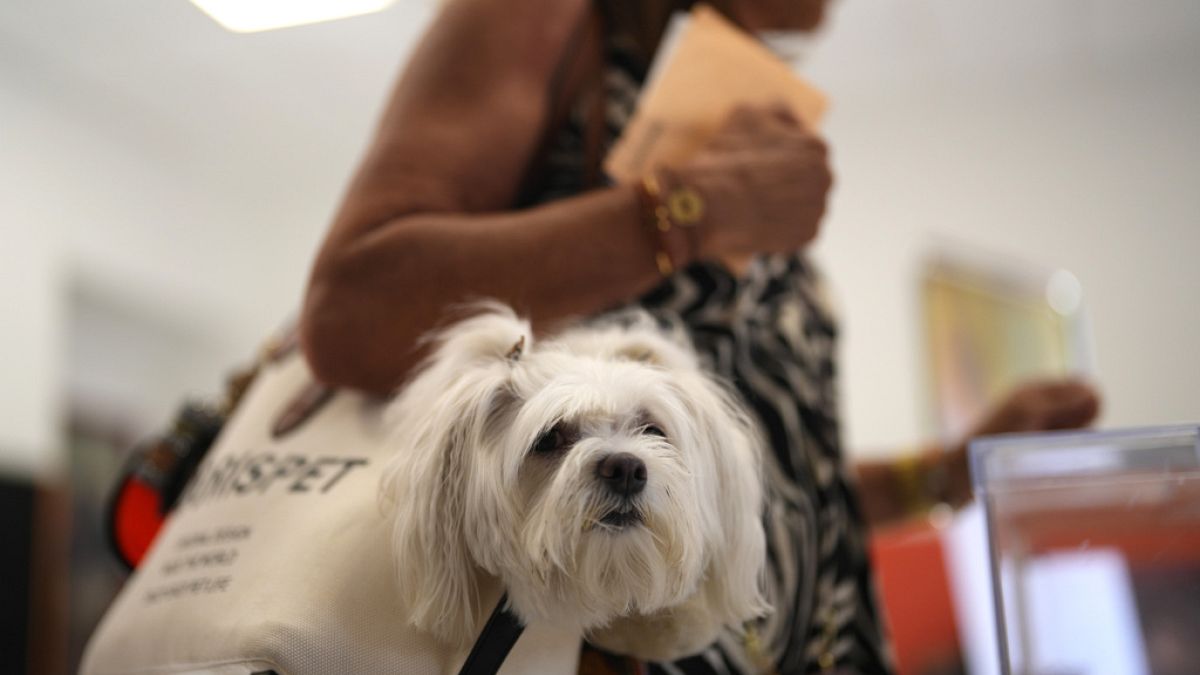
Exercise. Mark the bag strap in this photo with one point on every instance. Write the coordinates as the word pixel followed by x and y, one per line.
pixel 495 641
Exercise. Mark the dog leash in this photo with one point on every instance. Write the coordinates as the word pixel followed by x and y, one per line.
pixel 495 641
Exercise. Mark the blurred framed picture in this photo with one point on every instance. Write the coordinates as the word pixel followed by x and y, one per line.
pixel 990 324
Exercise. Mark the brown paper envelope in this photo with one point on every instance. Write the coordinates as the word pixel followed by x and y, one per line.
pixel 715 67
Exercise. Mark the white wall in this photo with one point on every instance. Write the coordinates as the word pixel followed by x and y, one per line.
pixel 118 251
pixel 30 320
pixel 76 209
pixel 163 186
pixel 1065 147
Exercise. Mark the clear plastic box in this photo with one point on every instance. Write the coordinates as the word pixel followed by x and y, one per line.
pixel 1094 542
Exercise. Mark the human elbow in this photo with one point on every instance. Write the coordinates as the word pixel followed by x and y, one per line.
pixel 335 344
pixel 322 343
pixel 363 313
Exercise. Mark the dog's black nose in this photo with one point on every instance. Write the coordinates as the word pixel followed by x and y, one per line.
pixel 624 473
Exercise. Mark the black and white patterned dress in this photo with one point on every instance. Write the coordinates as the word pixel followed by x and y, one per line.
pixel 770 333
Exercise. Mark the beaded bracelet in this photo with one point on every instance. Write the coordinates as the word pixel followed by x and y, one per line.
pixel 672 221
pixel 923 481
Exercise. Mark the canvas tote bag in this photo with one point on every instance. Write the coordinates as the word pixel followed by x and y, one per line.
pixel 277 558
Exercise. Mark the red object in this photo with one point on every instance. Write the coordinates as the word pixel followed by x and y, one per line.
pixel 911 572
pixel 136 518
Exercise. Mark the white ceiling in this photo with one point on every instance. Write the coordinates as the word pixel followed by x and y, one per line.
pixel 165 77
pixel 171 79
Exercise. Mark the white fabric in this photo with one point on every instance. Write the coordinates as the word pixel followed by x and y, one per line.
pixel 278 559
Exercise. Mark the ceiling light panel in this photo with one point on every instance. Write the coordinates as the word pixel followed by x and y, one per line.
pixel 250 16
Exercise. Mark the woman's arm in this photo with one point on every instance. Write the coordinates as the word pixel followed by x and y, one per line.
pixel 427 221
pixel 368 305
pixel 896 489
pixel 423 223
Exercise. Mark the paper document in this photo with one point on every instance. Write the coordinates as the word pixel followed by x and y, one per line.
pixel 705 67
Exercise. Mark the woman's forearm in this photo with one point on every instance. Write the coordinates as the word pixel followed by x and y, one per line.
pixel 898 489
pixel 371 297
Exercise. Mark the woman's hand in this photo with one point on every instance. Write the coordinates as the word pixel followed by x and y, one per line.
pixel 1038 405
pixel 1043 405
pixel 897 489
pixel 764 179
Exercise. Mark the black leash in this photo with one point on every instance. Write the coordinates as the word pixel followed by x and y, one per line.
pixel 496 640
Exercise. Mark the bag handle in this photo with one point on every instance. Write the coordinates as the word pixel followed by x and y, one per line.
pixel 495 641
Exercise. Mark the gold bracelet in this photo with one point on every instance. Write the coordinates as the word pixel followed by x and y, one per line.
pixel 910 485
pixel 673 221
pixel 923 482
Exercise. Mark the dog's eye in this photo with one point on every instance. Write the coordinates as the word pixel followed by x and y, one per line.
pixel 654 430
pixel 551 441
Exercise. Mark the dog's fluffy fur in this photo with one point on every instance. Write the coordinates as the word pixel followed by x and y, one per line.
pixel 497 443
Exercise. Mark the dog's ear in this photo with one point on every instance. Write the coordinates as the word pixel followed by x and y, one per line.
pixel 437 424
pixel 734 581
pixel 494 332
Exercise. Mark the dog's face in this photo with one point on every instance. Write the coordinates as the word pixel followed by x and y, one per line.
pixel 599 475
pixel 596 474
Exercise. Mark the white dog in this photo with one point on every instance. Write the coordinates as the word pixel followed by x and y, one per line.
pixel 601 476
